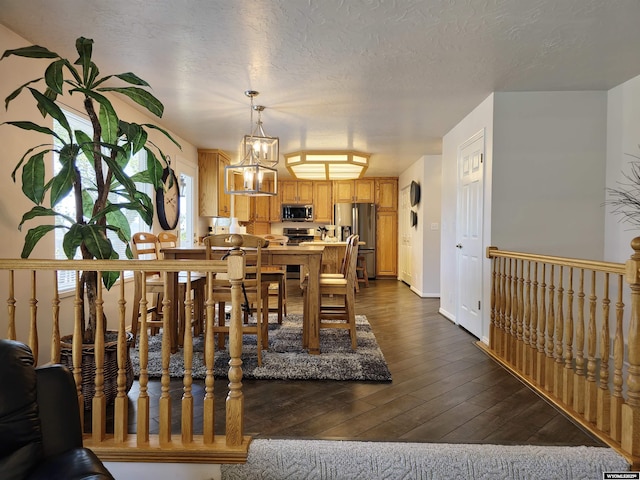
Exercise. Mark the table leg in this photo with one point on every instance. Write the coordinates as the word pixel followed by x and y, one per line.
pixel 313 304
pixel 172 292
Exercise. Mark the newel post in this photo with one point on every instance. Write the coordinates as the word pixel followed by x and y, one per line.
pixel 235 398
pixel 631 409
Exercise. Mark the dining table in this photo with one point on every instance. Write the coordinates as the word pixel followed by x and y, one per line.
pixel 308 256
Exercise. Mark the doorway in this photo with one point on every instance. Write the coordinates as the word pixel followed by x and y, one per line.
pixel 404 251
pixel 469 233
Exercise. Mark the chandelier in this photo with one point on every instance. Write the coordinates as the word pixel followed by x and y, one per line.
pixel 254 174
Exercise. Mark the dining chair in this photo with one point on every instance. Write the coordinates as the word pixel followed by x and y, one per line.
pixel 254 290
pixel 170 240
pixel 276 276
pixel 341 314
pixel 145 246
pixel 344 262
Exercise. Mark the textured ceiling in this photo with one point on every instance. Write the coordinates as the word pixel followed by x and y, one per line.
pixel 385 77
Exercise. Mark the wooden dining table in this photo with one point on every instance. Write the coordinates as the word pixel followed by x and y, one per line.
pixel 309 256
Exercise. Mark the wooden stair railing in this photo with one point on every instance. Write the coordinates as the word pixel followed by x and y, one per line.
pixel 33 276
pixel 559 324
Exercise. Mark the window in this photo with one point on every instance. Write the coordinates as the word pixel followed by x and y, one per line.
pixel 66 280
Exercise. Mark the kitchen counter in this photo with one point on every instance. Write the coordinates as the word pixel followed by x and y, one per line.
pixel 323 242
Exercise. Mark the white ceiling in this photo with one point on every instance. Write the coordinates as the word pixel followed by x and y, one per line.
pixel 388 77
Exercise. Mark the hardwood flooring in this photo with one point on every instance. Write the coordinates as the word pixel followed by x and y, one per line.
pixel 444 388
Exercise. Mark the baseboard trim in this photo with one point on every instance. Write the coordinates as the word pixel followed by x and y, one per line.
pixel 447 315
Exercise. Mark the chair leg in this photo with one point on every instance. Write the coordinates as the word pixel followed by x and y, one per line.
pixel 221 323
pixel 351 318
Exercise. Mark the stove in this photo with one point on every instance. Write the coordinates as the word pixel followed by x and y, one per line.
pixel 298 235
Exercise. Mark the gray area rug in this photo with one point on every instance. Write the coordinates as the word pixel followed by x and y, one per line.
pixel 286 359
pixel 347 460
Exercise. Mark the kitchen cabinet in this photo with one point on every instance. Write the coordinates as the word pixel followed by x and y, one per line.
pixel 261 208
pixel 387 244
pixel 361 190
pixel 275 209
pixel 212 201
pixel 387 193
pixel 322 204
pixel 296 191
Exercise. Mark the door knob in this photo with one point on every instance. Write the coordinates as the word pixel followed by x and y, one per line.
pixel 459 245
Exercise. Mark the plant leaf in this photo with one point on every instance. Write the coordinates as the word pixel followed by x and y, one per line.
pixel 25 125
pixel 62 184
pixel 108 121
pixel 141 97
pixel 110 278
pixel 132 78
pixel 40 211
pixel 33 51
pixel 17 92
pixel 53 76
pixel 33 178
pixel 84 47
pixel 72 240
pixel 13 173
pixel 154 169
pixel 33 236
pixel 135 135
pixel 47 105
pixel 166 134
pixel 118 219
pixel 96 241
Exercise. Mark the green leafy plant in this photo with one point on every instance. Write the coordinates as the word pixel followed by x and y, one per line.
pixel 99 206
pixel 625 199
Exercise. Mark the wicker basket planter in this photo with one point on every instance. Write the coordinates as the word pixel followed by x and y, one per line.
pixel 89 365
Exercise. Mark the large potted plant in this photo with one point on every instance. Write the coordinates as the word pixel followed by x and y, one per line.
pixel 107 190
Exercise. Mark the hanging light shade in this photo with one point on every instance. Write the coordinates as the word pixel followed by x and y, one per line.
pixel 254 174
pixel 327 165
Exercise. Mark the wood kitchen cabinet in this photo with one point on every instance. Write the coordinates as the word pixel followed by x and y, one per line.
pixel 387 193
pixel 361 190
pixel 212 201
pixel 386 244
pixel 322 204
pixel 275 209
pixel 296 191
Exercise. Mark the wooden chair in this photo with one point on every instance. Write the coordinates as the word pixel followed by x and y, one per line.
pixel 361 271
pixel 336 315
pixel 255 291
pixel 170 240
pixel 145 246
pixel 276 275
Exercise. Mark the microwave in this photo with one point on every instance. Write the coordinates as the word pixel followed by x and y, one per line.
pixel 297 213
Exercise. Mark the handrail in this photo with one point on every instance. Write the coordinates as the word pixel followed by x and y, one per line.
pixel 29 316
pixel 553 321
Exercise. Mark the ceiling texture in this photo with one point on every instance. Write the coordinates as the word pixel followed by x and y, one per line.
pixel 386 77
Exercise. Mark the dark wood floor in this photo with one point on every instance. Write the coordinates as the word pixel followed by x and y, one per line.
pixel 444 388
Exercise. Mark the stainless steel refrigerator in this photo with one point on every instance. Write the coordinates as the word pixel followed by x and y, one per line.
pixel 358 218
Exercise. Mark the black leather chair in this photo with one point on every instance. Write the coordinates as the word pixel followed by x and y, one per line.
pixel 40 432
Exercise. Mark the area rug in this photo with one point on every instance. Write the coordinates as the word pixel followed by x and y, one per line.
pixel 286 359
pixel 324 459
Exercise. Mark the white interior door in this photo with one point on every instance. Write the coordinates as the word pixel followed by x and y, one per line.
pixel 404 253
pixel 469 234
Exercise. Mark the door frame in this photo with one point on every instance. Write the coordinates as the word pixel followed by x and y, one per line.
pixel 481 134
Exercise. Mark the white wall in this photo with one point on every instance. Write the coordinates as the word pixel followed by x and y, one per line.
pixel 548 173
pixel 481 118
pixel 623 139
pixel 15 71
pixel 425 241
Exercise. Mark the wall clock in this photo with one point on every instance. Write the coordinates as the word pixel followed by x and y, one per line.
pixel 168 200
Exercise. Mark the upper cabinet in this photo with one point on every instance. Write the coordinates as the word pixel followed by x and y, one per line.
pixel 294 191
pixel 322 204
pixel 387 193
pixel 213 202
pixel 361 190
